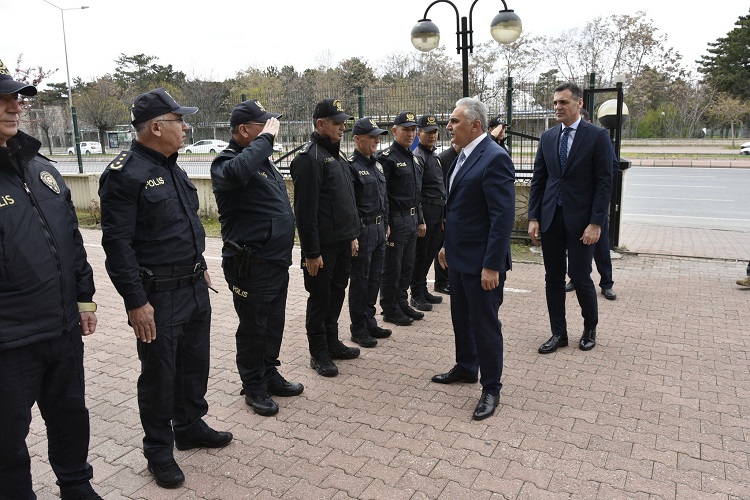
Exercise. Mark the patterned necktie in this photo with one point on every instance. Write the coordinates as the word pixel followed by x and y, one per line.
pixel 563 156
pixel 564 147
pixel 459 162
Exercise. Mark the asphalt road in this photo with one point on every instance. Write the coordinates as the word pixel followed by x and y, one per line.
pixel 708 198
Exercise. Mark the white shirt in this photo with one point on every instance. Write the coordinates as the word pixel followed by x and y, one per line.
pixel 467 152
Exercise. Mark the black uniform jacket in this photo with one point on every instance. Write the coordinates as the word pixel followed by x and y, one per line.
pixel 43 267
pixel 149 218
pixel 369 186
pixel 324 203
pixel 433 184
pixel 254 207
pixel 403 177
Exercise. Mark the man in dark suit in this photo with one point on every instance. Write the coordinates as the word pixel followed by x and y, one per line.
pixel 447 157
pixel 480 211
pixel 568 202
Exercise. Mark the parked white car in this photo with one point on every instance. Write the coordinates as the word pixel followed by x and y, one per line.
pixel 745 149
pixel 212 146
pixel 87 148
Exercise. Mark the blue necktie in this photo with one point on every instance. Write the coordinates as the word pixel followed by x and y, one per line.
pixel 563 156
pixel 459 162
pixel 564 147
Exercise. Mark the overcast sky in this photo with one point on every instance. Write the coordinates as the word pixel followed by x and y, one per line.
pixel 215 39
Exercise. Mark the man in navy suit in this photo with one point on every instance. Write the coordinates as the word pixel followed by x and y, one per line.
pixel 480 211
pixel 568 204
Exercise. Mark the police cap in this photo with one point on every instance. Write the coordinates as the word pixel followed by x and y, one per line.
pixel 367 126
pixel 155 103
pixel 495 121
pixel 427 123
pixel 250 111
pixel 9 86
pixel 405 119
pixel 330 108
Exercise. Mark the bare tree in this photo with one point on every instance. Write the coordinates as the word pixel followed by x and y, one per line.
pixel 100 105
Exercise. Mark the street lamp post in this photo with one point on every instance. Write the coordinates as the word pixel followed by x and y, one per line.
pixel 73 116
pixel 505 28
pixel 663 130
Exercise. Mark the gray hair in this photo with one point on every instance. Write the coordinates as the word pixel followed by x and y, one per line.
pixel 474 110
pixel 142 128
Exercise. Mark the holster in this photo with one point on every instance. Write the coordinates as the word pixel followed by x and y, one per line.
pixel 243 259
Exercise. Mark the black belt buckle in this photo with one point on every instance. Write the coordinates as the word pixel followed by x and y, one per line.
pixel 378 219
pixel 412 210
pixel 197 268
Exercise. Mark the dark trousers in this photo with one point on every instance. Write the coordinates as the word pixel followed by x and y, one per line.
pixel 477 329
pixel 49 373
pixel 399 263
pixel 428 247
pixel 260 303
pixel 174 370
pixel 441 275
pixel 555 242
pixel 366 274
pixel 327 291
pixel 748 268
pixel 603 259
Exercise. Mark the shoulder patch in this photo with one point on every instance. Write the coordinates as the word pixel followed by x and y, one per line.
pixel 386 151
pixel 120 160
pixel 306 147
pixel 343 157
pixel 350 159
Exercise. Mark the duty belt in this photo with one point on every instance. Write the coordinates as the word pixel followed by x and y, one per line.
pixel 366 221
pixel 164 278
pixel 404 213
pixel 434 201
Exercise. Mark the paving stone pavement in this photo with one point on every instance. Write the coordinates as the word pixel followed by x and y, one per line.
pixel 660 409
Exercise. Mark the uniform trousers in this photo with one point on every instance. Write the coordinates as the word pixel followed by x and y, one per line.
pixel 50 373
pixel 174 370
pixel 260 303
pixel 427 247
pixel 327 291
pixel 555 242
pixel 366 275
pixel 399 263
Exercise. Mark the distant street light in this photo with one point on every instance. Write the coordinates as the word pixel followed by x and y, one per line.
pixel 663 130
pixel 505 28
pixel 76 135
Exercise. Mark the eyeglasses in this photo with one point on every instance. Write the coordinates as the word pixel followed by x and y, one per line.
pixel 262 124
pixel 180 119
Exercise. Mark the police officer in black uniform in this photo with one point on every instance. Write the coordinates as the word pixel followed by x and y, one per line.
pixel 403 178
pixel 328 226
pixel 154 242
pixel 257 226
pixel 46 291
pixel 433 206
pixel 442 281
pixel 372 204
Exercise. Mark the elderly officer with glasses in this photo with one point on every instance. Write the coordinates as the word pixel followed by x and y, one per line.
pixel 154 242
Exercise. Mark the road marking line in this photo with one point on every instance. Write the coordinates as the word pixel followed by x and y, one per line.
pixel 660 198
pixel 685 217
pixel 677 186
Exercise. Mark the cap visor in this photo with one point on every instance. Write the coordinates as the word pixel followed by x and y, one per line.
pixel 341 117
pixel 12 87
pixel 377 131
pixel 185 110
pixel 428 128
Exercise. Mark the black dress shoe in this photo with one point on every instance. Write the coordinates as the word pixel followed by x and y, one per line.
pixel 209 439
pixel 455 374
pixel 569 286
pixel 364 339
pixel 486 406
pixel 446 289
pixel 262 405
pixel 432 299
pixel 553 343
pixel 421 303
pixel 588 340
pixel 397 318
pixel 167 474
pixel 609 293
pixel 337 350
pixel 412 313
pixel 324 367
pixel 380 333
pixel 279 386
